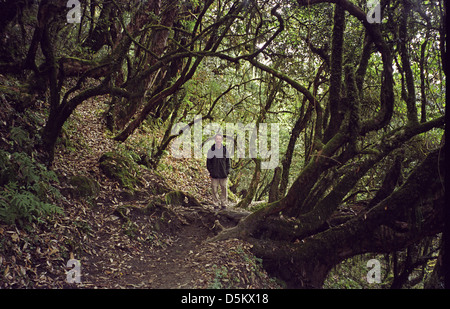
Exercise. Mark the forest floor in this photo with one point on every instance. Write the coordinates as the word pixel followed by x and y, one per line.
pixel 123 238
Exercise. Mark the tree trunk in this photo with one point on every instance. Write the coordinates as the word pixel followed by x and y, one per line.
pixel 253 185
pixel 334 104
pixel 274 193
pixel 123 110
pixel 98 35
pixel 303 251
pixel 410 97
pixel 389 182
pixel 300 124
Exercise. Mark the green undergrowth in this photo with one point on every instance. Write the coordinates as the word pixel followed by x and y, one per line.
pixel 244 270
pixel 28 191
pixel 122 168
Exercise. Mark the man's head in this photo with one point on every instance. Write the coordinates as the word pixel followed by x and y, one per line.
pixel 218 138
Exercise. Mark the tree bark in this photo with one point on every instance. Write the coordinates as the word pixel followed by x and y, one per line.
pixel 406 65
pixel 282 232
pixel 98 34
pixel 274 193
pixel 389 182
pixel 335 106
pixel 253 185
pixel 123 110
pixel 304 261
pixel 423 71
pixel 300 124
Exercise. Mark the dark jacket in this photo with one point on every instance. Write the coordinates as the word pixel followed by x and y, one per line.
pixel 218 162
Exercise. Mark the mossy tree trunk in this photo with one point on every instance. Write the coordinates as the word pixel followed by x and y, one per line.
pixel 302 251
pixel 122 110
pixel 253 185
pixel 336 110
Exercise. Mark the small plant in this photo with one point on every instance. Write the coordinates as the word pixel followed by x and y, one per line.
pixel 27 189
pixel 122 168
pixel 219 275
pixel 21 206
pixel 19 136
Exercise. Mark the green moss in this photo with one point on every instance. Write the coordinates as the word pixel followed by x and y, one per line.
pixel 84 186
pixel 154 204
pixel 231 196
pixel 120 168
pixel 159 188
pixel 175 198
pixel 181 198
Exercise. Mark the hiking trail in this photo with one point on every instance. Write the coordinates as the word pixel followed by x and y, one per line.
pixel 138 241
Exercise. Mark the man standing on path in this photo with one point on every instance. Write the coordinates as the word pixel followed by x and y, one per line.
pixel 218 165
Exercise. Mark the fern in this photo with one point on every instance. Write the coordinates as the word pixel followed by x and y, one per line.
pixel 28 191
pixel 20 136
pixel 22 206
pixel 25 167
pixel 5 169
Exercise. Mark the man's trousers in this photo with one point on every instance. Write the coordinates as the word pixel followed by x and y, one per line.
pixel 215 183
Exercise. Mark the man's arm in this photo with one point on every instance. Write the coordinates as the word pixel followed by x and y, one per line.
pixel 227 162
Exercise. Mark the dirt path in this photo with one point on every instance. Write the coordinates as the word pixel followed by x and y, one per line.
pixel 174 267
pixel 179 256
pixel 170 266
